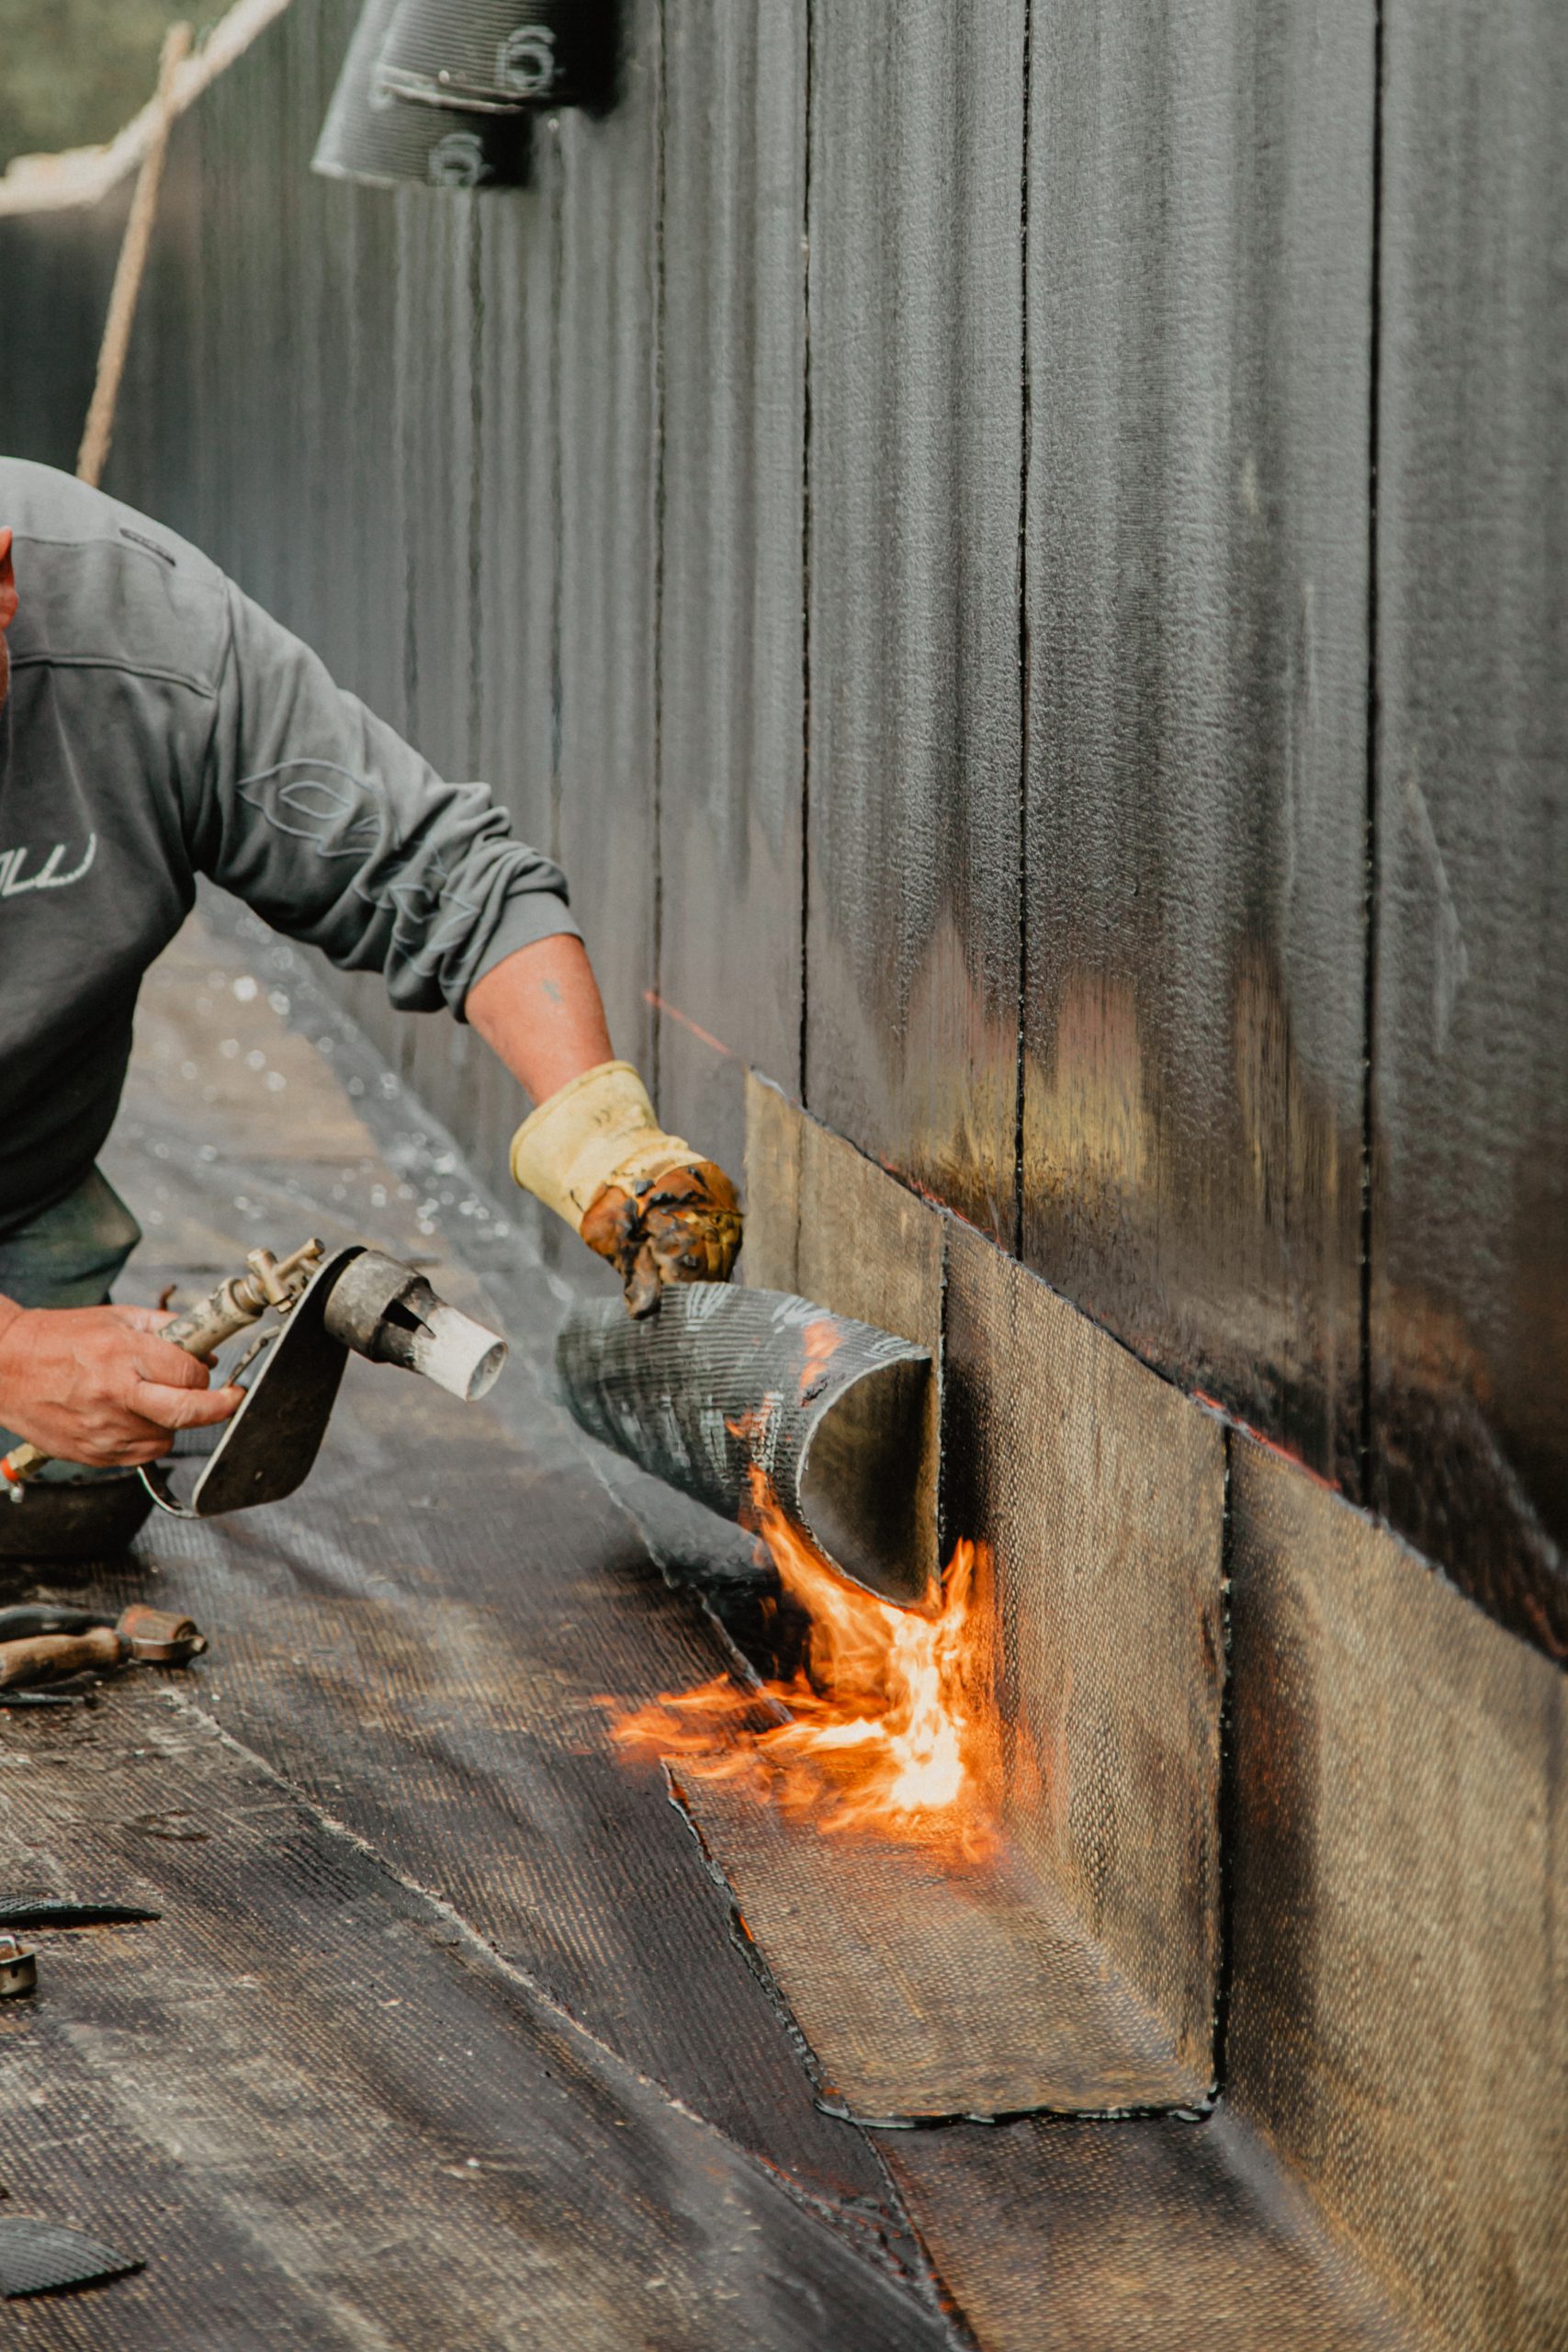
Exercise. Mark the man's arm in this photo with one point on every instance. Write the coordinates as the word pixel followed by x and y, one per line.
pixel 594 1150
pixel 332 827
pixel 540 1011
pixel 336 831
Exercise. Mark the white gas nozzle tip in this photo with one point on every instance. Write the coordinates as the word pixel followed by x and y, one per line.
pixel 458 1353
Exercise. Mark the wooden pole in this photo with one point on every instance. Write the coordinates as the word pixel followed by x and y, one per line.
pixel 99 429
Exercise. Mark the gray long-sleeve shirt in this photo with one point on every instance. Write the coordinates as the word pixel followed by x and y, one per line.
pixel 160 726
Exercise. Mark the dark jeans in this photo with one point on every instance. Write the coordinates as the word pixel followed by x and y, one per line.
pixel 68 1256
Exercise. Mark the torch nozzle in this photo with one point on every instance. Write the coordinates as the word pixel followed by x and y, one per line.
pixel 456 1352
pixel 389 1313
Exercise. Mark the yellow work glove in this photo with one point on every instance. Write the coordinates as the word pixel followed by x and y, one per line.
pixel 596 1155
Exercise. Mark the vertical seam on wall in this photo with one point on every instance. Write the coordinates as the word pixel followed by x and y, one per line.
pixel 1369 910
pixel 476 473
pixel 404 1041
pixel 1228 1810
pixel 806 561
pixel 1026 413
pixel 405 413
pixel 558 511
pixel 945 1538
pixel 656 939
pixel 361 363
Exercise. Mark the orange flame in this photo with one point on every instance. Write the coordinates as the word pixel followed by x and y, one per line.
pixel 823 1338
pixel 884 1730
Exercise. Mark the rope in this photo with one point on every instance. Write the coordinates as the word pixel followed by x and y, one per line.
pixel 99 430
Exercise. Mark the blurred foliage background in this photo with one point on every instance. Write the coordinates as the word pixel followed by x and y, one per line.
pixel 73 71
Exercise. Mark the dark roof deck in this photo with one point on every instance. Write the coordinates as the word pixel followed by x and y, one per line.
pixel 444 2035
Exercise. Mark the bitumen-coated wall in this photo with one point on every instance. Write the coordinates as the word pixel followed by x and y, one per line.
pixel 1019 557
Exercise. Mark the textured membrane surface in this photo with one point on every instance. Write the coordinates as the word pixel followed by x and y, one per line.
pixel 932 1989
pixel 1469 1181
pixel 1100 1490
pixel 1154 2234
pixel 1077 1970
pixel 913 304
pixel 732 480
pixel 727 1386
pixel 327 2115
pixel 1398 2022
pixel 1196 541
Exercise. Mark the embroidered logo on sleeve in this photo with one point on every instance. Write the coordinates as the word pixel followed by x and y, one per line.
pixel 54 874
pixel 317 801
pixel 341 815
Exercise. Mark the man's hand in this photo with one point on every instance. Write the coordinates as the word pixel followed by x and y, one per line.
pixel 660 1212
pixel 97 1384
pixel 682 1226
pixel 594 1150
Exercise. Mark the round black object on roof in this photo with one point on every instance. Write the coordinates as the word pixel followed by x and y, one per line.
pixel 369 136
pixel 500 55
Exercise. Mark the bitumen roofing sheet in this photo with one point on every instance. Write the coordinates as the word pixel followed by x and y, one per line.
pixel 445 2033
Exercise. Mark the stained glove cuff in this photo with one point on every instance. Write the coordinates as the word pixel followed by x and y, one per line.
pixel 598 1128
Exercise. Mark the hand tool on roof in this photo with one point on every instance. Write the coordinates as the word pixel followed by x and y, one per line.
pixel 42 1642
pixel 153 1636
pixel 53 1658
pixel 19 1961
pixel 69 1911
pixel 323 1304
pixel 725 1386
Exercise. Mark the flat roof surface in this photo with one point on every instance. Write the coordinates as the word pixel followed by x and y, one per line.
pixel 445 2034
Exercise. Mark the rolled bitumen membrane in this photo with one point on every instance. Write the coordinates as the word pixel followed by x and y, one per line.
pixel 724 1387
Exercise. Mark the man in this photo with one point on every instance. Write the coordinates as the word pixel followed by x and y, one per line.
pixel 155 725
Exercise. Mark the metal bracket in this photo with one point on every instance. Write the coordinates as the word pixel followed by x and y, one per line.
pixel 268 1447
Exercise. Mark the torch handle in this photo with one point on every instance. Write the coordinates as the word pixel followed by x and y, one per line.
pixel 204 1328
pixel 49 1657
pixel 22 1462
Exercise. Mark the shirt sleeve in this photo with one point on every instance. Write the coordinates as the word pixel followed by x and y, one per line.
pixel 337 832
